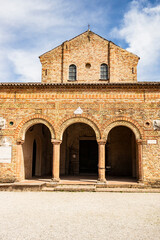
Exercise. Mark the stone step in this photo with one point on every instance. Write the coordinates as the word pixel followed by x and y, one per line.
pixel 98 185
pixel 48 189
pixel 70 188
pixel 21 187
pixel 127 185
pixel 51 184
pixel 94 189
pixel 68 184
pixel 129 190
pixel 107 187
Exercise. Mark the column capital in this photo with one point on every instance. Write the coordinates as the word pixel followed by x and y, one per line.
pixel 20 141
pixel 139 141
pixel 101 142
pixel 56 142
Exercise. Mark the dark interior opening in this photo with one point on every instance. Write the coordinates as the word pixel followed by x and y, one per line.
pixel 38 151
pixel 79 151
pixel 88 156
pixel 121 153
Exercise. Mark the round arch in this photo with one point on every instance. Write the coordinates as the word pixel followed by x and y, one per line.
pixel 126 123
pixel 71 121
pixel 25 125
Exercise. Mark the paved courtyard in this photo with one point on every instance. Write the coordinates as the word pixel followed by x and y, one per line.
pixel 79 216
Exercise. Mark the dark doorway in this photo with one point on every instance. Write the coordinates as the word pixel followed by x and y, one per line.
pixel 38 151
pixel 79 151
pixel 88 156
pixel 121 152
pixel 34 159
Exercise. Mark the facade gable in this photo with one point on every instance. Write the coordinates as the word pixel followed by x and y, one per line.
pixel 88 52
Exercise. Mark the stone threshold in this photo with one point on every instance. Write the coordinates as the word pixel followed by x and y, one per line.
pixel 73 186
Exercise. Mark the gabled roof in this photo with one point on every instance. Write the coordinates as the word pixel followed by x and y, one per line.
pixel 71 40
pixel 81 35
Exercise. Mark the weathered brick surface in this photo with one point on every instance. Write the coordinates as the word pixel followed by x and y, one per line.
pixel 104 106
pixel 89 48
pixel 100 106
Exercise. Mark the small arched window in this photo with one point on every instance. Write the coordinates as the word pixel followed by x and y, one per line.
pixel 72 72
pixel 104 71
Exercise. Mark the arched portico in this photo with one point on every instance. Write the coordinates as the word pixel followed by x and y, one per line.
pixel 73 120
pixel 115 123
pixel 25 125
pixel 127 130
pixel 79 150
pixel 32 141
pixel 84 144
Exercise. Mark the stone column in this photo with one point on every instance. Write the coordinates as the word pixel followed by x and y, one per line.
pixel 140 163
pixel 20 161
pixel 101 160
pixel 56 160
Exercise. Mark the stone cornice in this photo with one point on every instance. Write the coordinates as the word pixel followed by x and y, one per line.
pixel 38 85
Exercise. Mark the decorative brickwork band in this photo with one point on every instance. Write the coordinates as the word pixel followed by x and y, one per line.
pixel 140 163
pixel 56 159
pixel 101 160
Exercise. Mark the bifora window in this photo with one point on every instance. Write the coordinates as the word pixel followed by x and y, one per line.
pixel 104 71
pixel 72 72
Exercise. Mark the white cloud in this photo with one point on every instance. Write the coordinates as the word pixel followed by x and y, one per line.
pixel 5 72
pixel 141 30
pixel 31 27
pixel 26 65
pixel 20 13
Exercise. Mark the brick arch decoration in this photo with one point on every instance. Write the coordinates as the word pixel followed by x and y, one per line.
pixel 126 122
pixel 67 122
pixel 29 122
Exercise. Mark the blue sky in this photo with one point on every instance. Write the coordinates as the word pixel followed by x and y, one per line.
pixel 30 28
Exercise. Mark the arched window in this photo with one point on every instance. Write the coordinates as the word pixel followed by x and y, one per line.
pixel 72 72
pixel 104 71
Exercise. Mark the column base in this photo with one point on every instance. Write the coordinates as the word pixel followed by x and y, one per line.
pixel 140 181
pixel 101 180
pixel 55 179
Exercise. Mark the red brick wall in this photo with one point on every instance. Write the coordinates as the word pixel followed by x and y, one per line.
pixel 101 106
pixel 93 49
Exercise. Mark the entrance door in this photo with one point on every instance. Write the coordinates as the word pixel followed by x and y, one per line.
pixel 88 156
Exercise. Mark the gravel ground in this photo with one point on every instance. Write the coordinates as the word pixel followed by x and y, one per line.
pixel 79 216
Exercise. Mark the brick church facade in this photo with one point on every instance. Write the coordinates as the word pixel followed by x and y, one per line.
pixel 89 115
